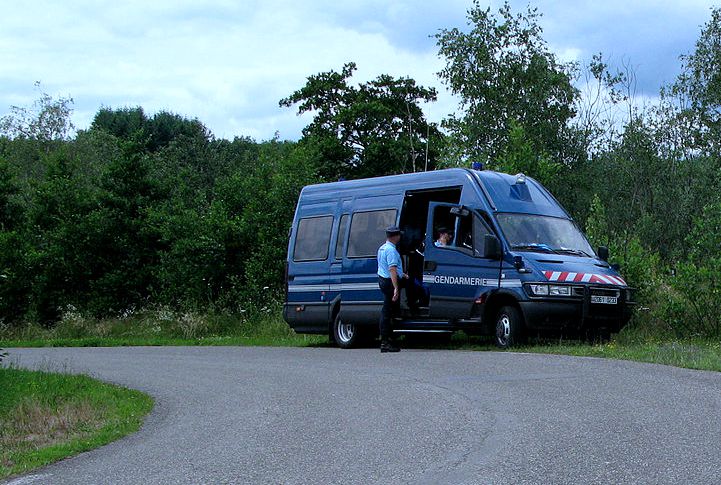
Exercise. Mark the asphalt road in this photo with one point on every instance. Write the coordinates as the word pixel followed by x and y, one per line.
pixel 322 415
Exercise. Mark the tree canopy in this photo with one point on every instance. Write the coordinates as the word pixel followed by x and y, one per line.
pixel 376 128
pixel 505 76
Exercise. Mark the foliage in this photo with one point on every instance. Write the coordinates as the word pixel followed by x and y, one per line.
pixel 46 120
pixel 504 73
pixel 232 248
pixel 519 156
pixel 698 88
pixel 696 290
pixel 641 267
pixel 141 210
pixel 150 210
pixel 377 128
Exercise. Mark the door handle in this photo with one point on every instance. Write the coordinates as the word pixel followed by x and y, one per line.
pixel 429 266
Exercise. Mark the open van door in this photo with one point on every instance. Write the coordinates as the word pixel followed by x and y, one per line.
pixel 458 273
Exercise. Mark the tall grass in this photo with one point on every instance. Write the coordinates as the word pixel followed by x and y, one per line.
pixel 161 326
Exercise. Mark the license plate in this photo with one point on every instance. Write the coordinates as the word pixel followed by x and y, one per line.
pixel 606 300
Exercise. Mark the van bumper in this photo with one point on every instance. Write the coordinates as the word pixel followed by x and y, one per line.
pixel 574 314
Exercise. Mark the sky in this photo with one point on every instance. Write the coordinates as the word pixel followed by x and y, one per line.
pixel 229 62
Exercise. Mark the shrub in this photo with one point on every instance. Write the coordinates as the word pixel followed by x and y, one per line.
pixel 641 268
pixel 696 289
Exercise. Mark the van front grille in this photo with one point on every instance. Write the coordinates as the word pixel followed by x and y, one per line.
pixel 578 291
pixel 605 292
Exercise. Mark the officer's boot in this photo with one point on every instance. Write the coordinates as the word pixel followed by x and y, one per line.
pixel 387 345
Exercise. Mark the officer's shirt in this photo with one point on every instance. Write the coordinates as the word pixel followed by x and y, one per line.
pixel 388 256
pixel 439 244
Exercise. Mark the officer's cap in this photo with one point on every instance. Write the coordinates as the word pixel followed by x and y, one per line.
pixel 393 231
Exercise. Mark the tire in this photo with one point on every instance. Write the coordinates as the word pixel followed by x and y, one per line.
pixel 346 335
pixel 509 327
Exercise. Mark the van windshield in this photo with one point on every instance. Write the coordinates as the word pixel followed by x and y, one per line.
pixel 544 234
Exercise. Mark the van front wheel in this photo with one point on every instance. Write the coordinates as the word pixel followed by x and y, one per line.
pixel 346 335
pixel 509 327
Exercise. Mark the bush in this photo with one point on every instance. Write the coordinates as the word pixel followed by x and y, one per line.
pixel 641 268
pixel 695 292
pixel 692 307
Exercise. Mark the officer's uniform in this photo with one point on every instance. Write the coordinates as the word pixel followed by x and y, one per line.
pixel 388 257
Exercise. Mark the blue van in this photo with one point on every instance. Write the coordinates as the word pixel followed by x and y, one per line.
pixel 516 263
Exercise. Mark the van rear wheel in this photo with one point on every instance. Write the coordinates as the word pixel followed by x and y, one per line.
pixel 346 335
pixel 509 327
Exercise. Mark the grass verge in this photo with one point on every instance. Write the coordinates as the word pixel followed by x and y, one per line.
pixel 698 354
pixel 265 327
pixel 159 327
pixel 45 417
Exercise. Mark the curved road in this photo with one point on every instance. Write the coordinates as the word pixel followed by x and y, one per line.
pixel 322 415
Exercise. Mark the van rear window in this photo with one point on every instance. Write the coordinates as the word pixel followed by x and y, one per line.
pixel 368 231
pixel 312 239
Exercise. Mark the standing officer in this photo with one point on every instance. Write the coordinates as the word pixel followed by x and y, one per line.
pixel 390 276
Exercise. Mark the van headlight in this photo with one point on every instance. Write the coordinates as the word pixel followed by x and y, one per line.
pixel 538 290
pixel 555 290
pixel 549 290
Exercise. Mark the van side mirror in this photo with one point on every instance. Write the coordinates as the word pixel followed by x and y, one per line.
pixel 491 247
pixel 603 253
pixel 460 211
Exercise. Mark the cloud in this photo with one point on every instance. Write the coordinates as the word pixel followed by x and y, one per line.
pixel 647 35
pixel 228 63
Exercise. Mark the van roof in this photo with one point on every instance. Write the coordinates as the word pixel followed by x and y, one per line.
pixel 510 195
pixel 503 191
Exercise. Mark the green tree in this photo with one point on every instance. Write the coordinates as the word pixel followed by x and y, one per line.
pixel 124 123
pixel 696 287
pixel 10 209
pixel 60 260
pixel 48 119
pixel 504 73
pixel 152 134
pixel 15 277
pixel 125 245
pixel 519 155
pixel 230 252
pixel 377 128
pixel 698 89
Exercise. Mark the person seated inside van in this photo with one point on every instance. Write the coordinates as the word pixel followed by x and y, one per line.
pixel 445 236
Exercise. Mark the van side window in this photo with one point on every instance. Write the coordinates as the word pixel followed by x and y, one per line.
pixel 313 238
pixel 368 231
pixel 469 231
pixel 341 236
pixel 480 230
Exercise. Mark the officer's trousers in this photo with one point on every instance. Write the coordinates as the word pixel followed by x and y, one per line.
pixel 390 308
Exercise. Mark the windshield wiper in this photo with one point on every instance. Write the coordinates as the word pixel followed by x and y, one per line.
pixel 577 252
pixel 534 247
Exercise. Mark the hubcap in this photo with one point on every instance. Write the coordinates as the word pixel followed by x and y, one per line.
pixel 345 331
pixel 503 329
